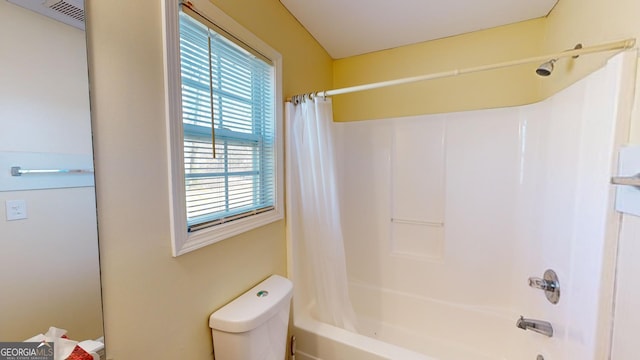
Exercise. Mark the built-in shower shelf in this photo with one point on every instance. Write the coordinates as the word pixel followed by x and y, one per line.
pixel 417 222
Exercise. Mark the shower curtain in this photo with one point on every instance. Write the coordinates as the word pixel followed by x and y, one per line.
pixel 313 212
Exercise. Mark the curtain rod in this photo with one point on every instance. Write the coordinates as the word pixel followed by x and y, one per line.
pixel 618 45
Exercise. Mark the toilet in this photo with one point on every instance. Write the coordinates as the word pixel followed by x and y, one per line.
pixel 254 325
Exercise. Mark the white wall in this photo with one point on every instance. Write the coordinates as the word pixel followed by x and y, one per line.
pixel 44 98
pixel 49 269
pixel 525 189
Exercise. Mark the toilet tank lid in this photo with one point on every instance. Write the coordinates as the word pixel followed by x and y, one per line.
pixel 254 307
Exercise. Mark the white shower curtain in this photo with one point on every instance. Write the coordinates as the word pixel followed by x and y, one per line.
pixel 313 213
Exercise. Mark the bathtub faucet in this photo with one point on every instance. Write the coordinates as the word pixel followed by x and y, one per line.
pixel 539 326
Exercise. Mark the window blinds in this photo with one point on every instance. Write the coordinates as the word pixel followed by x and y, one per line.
pixel 233 86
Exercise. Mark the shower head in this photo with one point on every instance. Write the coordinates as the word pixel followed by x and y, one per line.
pixel 546 68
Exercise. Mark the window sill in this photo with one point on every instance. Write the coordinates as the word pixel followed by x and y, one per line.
pixel 192 241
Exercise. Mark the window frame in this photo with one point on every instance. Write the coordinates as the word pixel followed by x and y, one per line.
pixel 182 240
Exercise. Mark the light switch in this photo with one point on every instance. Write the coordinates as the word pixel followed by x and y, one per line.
pixel 16 209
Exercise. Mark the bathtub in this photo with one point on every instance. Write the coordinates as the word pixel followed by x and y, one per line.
pixel 411 328
pixel 438 267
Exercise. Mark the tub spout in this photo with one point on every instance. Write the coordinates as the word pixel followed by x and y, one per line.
pixel 539 326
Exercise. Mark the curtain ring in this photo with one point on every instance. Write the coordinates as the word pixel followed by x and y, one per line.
pixel 299 99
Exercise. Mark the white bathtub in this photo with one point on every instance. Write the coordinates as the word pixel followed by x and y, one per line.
pixel 316 340
pixel 409 329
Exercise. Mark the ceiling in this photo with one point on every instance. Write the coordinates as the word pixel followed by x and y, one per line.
pixel 353 27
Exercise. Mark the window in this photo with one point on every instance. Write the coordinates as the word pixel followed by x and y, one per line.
pixel 224 117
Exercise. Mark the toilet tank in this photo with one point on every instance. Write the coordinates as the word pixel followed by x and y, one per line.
pixel 254 325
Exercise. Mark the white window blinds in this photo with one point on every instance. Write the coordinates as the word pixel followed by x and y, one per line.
pixel 229 89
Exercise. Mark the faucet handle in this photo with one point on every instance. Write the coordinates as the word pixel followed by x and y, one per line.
pixel 542 284
pixel 549 284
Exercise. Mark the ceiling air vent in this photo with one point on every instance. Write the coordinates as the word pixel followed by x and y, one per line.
pixel 70 12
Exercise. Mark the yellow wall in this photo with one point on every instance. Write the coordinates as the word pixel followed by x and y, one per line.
pixel 588 22
pixel 571 22
pixel 156 306
pixel 505 87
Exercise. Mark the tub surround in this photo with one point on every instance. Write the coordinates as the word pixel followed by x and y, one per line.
pixel 517 182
